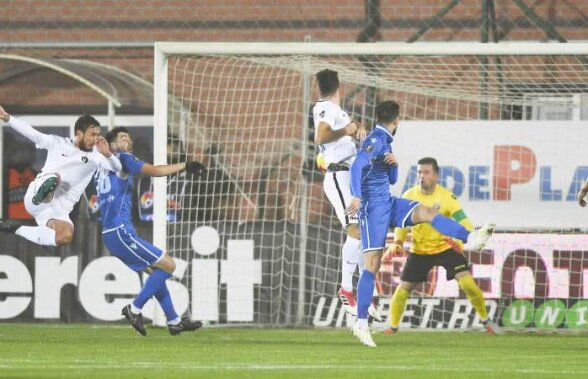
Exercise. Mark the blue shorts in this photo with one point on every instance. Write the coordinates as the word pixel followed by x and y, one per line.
pixel 134 251
pixel 376 217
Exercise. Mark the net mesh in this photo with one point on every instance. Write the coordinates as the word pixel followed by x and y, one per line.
pixel 277 260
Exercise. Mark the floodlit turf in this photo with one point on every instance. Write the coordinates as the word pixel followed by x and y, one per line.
pixel 86 351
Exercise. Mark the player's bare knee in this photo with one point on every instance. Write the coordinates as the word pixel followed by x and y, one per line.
pixel 64 237
pixel 353 231
pixel 423 213
pixel 171 264
pixel 462 274
pixel 166 263
pixel 407 286
pixel 372 260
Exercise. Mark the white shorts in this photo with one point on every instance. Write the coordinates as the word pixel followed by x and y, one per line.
pixel 337 186
pixel 45 211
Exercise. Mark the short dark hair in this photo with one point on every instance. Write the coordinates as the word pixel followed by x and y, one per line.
pixel 430 160
pixel 84 122
pixel 112 134
pixel 387 111
pixel 328 81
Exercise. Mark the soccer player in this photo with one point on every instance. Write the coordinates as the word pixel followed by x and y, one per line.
pixel 121 239
pixel 431 248
pixel 67 172
pixel 374 169
pixel 337 135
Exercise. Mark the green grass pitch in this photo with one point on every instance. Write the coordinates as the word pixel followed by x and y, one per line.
pixel 87 351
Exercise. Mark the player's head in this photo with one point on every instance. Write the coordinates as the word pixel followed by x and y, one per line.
pixel 87 131
pixel 119 139
pixel 427 173
pixel 387 114
pixel 328 82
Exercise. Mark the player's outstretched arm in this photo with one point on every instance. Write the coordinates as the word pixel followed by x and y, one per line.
pixel 191 167
pixel 23 128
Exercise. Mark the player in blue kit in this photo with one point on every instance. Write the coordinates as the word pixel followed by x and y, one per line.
pixel 374 169
pixel 120 237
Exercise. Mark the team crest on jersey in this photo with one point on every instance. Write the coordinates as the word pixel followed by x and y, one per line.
pixel 85 159
pixel 369 148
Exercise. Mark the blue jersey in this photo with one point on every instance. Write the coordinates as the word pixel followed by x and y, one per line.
pixel 115 193
pixel 370 176
pixel 370 181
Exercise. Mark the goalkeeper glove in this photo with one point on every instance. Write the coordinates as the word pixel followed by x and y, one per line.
pixel 395 248
pixel 195 168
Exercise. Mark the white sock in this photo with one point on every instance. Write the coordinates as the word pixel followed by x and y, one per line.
pixel 349 261
pixel 134 309
pixel 41 235
pixel 174 322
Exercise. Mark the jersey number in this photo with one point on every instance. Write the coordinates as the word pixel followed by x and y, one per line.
pixel 104 184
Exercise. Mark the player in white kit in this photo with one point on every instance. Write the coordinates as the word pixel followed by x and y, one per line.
pixel 68 169
pixel 336 136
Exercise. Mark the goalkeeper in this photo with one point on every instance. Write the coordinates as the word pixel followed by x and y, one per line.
pixel 119 235
pixel 431 248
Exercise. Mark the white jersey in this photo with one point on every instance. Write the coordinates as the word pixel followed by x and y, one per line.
pixel 74 166
pixel 342 150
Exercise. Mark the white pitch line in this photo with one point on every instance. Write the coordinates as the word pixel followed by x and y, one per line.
pixel 80 365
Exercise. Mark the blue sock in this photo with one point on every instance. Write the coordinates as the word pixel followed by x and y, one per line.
pixel 164 299
pixel 365 291
pixel 450 227
pixel 153 284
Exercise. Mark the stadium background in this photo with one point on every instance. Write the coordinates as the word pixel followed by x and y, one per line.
pixel 120 34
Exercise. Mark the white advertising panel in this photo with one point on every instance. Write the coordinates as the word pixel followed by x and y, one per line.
pixel 520 174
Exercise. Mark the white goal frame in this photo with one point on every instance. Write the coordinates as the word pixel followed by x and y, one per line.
pixel 163 49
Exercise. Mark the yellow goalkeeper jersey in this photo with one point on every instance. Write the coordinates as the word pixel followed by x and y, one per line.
pixel 425 238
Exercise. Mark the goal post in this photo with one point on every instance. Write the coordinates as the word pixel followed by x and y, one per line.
pixel 257 237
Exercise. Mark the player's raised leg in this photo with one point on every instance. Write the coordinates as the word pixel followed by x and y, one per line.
pixel 476 239
pixel 54 227
pixel 54 233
